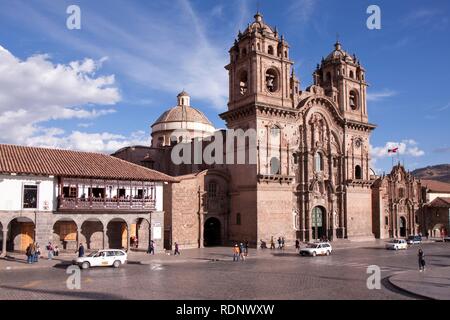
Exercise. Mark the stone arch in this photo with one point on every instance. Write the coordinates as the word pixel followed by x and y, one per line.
pixel 117 232
pixel 140 233
pixel 92 233
pixel 212 232
pixel 64 234
pixel 318 222
pixel 21 233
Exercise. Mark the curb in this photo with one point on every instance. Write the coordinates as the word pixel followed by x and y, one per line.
pixel 408 291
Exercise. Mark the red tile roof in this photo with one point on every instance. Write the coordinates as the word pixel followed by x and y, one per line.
pixel 436 186
pixel 66 163
pixel 440 202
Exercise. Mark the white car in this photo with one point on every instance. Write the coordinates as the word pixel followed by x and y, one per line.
pixel 397 244
pixel 314 249
pixel 103 258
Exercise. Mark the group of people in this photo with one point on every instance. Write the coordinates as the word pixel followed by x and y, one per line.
pixel 240 251
pixel 280 241
pixel 33 252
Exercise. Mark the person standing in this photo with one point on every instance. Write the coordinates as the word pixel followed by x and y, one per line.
pixel 421 261
pixel 81 251
pixel 236 253
pixel 282 243
pixel 50 251
pixel 272 243
pixel 246 248
pixel 241 252
pixel 37 252
pixel 279 242
pixel 297 244
pixel 151 248
pixel 177 249
pixel 56 251
pixel 30 256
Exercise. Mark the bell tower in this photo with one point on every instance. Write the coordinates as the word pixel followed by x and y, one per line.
pixel 343 80
pixel 260 68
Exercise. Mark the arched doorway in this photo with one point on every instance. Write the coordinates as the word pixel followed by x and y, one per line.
pixel 21 233
pixel 140 234
pixel 65 234
pixel 318 227
pixel 402 227
pixel 92 234
pixel 212 234
pixel 117 234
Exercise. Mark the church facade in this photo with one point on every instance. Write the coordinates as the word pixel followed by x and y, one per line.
pixel 311 178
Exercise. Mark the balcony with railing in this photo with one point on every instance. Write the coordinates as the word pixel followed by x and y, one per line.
pixel 106 195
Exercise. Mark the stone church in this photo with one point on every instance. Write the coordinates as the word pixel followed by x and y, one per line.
pixel 312 177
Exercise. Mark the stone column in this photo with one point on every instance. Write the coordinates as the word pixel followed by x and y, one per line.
pixel 78 237
pixel 5 235
pixel 201 222
pixel 105 239
pixel 128 237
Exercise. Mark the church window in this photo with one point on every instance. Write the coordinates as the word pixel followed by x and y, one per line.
pixel 274 166
pixel 386 220
pixel 243 83
pixel 353 100
pixel 275 132
pixel 238 219
pixel 318 160
pixel 212 190
pixel 271 80
pixel 270 50
pixel 358 173
pixel 285 54
pixel 259 47
pixel 351 74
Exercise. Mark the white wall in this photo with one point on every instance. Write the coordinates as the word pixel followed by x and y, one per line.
pixel 11 192
pixel 433 195
pixel 159 196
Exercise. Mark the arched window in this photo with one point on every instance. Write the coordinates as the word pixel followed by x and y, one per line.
pixel 274 166
pixel 358 173
pixel 353 99
pixel 243 82
pixel 270 50
pixel 173 140
pixel 275 132
pixel 351 74
pixel 259 46
pixel 238 219
pixel 386 220
pixel 272 80
pixel 285 54
pixel 318 162
pixel 212 189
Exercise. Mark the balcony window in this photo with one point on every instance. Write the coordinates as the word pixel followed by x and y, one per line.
pixel 30 196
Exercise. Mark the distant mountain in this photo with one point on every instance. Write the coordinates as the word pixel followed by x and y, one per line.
pixel 440 172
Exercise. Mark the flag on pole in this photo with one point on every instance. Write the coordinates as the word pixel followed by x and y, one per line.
pixel 393 150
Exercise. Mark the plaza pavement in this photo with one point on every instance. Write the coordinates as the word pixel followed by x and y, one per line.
pixel 434 283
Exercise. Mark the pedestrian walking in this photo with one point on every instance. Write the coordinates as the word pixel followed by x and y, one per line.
pixel 37 252
pixel 297 244
pixel 236 253
pixel 29 254
pixel 50 251
pixel 421 261
pixel 241 251
pixel 282 243
pixel 246 248
pixel 56 251
pixel 81 250
pixel 279 242
pixel 272 243
pixel 151 248
pixel 177 249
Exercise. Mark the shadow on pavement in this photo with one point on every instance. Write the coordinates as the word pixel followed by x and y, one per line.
pixel 387 285
pixel 70 293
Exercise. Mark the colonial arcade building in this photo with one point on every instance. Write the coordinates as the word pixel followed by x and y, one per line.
pixel 67 198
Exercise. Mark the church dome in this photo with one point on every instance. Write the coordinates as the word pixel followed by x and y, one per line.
pixel 191 121
pixel 339 54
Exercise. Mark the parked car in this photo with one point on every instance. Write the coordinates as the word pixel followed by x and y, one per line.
pixel 103 258
pixel 318 248
pixel 447 239
pixel 397 244
pixel 414 240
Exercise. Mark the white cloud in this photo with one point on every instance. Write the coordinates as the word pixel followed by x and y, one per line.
pixel 302 10
pixel 35 90
pixel 405 147
pixel 377 96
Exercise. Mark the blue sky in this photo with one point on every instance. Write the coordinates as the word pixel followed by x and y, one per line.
pixel 101 87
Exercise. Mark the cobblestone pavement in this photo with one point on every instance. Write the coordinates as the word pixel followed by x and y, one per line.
pixel 264 275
